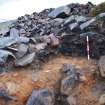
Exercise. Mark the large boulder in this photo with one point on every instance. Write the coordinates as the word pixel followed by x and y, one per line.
pixel 59 12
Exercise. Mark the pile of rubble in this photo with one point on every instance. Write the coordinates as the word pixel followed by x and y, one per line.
pixel 63 29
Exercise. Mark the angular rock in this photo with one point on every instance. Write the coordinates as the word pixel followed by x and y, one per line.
pixel 86 24
pixel 5 95
pixel 91 34
pixel 4 31
pixel 41 97
pixel 70 80
pixel 73 26
pixel 102 99
pixel 71 100
pixel 6 41
pixel 22 32
pixel 80 18
pixel 22 50
pixel 69 20
pixel 102 66
pixel 14 33
pixel 75 18
pixel 59 20
pixel 101 15
pixel 40 46
pixel 69 70
pixel 54 41
pixel 28 59
pixel 59 11
pixel 23 39
pixel 4 55
pixel 68 84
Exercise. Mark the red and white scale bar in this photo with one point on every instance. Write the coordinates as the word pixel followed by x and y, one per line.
pixel 88 47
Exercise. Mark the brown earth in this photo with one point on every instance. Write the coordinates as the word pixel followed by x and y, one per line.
pixel 22 81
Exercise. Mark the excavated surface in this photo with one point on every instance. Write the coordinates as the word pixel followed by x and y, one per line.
pixel 22 81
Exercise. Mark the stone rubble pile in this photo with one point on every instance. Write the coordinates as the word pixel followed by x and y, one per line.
pixel 63 29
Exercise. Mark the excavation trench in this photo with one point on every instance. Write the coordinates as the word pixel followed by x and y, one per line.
pixel 22 81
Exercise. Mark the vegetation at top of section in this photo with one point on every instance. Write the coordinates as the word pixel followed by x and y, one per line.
pixel 98 9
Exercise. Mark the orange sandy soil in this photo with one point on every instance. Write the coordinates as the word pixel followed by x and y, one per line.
pixel 20 84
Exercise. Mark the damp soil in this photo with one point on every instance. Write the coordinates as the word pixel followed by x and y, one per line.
pixel 20 82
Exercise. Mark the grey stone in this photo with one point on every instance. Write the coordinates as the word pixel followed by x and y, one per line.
pixel 69 70
pixel 3 31
pixel 23 39
pixel 73 26
pixel 4 55
pixel 21 50
pixel 28 59
pixel 41 97
pixel 91 34
pixel 80 18
pixel 59 10
pixel 68 84
pixel 40 46
pixel 6 41
pixel 14 33
pixel 59 20
pixel 70 80
pixel 69 20
pixel 22 32
pixel 87 23
pixel 5 95
pixel 101 15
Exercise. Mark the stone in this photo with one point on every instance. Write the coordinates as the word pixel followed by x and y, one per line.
pixel 69 20
pixel 71 100
pixel 41 97
pixel 73 26
pixel 102 65
pixel 87 23
pixel 68 84
pixel 102 99
pixel 70 80
pixel 23 39
pixel 21 50
pixel 101 15
pixel 58 11
pixel 14 33
pixel 5 95
pixel 6 41
pixel 40 46
pixel 4 31
pixel 54 41
pixel 90 34
pixel 69 70
pixel 80 19
pixel 4 56
pixel 75 18
pixel 22 32
pixel 24 61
